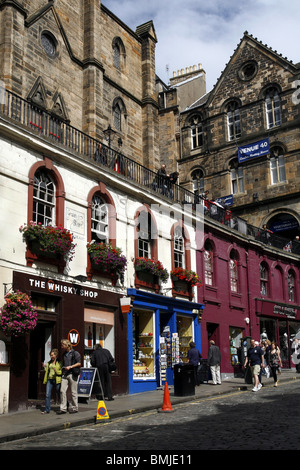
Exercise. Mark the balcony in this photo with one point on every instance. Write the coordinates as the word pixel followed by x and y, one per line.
pixel 21 112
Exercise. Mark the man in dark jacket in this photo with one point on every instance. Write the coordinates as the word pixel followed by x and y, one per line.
pixel 100 359
pixel 214 362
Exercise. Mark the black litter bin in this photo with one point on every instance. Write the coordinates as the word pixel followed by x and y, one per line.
pixel 203 372
pixel 184 380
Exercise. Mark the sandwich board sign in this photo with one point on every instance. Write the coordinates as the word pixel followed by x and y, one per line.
pixel 88 379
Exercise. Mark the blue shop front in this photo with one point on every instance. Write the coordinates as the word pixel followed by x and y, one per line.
pixel 160 329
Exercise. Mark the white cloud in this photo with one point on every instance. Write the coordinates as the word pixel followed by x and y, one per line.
pixel 208 32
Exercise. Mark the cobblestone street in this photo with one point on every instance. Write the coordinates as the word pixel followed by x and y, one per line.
pixel 266 420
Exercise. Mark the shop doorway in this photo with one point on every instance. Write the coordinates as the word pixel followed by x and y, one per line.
pixel 41 343
pixel 213 333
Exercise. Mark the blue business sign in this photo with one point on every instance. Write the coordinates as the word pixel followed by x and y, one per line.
pixel 226 200
pixel 254 150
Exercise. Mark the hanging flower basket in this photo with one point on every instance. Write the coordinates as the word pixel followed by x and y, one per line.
pixel 48 241
pixel 154 268
pixel 106 258
pixel 18 316
pixel 185 275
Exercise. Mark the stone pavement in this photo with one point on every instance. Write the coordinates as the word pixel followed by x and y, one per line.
pixel 32 422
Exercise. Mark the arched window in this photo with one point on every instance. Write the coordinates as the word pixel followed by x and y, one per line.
pixel 119 114
pixel 208 263
pixel 237 177
pixel 264 287
pixel 146 235
pixel 272 106
pixel 291 286
pixel 119 54
pixel 277 165
pixel 179 256
pixel 233 270
pixel 43 198
pixel 198 181
pixel 117 117
pixel 99 219
pixel 233 121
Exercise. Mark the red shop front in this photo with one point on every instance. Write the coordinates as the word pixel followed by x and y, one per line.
pixel 279 322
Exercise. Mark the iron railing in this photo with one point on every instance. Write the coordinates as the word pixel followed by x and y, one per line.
pixel 47 125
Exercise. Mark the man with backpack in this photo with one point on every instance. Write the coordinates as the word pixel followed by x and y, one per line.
pixel 71 361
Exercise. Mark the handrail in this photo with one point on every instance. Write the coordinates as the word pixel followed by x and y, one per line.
pixel 51 126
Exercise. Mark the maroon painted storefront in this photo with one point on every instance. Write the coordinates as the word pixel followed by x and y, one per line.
pixel 65 310
pixel 235 304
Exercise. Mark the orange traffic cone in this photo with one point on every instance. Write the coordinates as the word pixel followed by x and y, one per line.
pixel 166 403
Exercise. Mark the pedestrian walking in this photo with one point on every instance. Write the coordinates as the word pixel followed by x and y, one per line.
pixel 255 357
pixel 102 359
pixel 194 357
pixel 71 362
pixel 214 362
pixel 52 378
pixel 275 361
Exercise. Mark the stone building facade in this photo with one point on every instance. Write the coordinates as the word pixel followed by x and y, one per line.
pixel 254 100
pixel 79 62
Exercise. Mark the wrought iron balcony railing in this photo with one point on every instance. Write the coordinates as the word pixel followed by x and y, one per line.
pixel 63 134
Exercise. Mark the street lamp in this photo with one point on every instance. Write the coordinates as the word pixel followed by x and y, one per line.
pixel 109 134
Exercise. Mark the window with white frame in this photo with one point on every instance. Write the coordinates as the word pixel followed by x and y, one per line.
pixel 196 132
pixel 272 106
pixel 43 199
pixel 277 166
pixel 233 121
pixel 99 219
pixel 144 235
pixel 179 255
pixel 237 177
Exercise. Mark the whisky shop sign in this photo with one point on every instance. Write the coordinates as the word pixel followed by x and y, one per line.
pixel 57 287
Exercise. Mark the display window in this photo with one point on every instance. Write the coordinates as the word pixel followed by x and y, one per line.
pixel 235 338
pixel 185 331
pixel 98 329
pixel 143 342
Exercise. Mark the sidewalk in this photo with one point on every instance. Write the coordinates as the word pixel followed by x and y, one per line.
pixel 31 422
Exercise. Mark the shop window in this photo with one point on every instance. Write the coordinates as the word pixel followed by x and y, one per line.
pixel 235 337
pixel 264 288
pixel 272 106
pixel 185 333
pixel 143 343
pixel 47 304
pixel 98 329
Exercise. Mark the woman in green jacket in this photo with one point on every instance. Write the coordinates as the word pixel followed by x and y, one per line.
pixel 53 373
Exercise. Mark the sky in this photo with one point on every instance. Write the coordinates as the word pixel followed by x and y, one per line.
pixel 207 32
